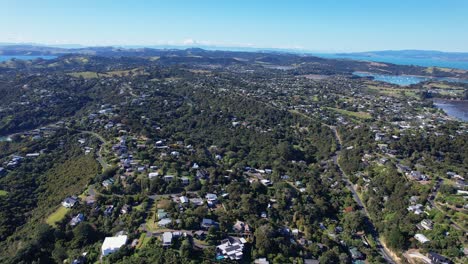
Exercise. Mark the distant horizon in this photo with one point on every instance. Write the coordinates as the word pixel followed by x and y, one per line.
pixel 212 47
pixel 316 26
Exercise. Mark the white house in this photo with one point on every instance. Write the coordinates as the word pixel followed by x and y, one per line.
pixel 153 175
pixel 231 248
pixel 421 238
pixel 184 199
pixel 167 239
pixel 112 244
pixel 69 202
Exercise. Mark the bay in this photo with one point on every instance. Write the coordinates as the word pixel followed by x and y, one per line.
pixel 405 80
pixel 453 108
pixel 25 57
pixel 429 62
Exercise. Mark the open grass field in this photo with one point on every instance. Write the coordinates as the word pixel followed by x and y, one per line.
pixel 394 92
pixel 3 193
pixel 56 216
pixel 359 115
pixel 121 73
pixel 86 75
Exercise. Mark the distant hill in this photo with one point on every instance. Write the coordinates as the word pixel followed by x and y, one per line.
pixel 413 54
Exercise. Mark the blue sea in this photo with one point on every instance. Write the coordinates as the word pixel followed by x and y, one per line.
pixel 5 139
pixel 400 61
pixel 405 80
pixel 457 109
pixel 25 57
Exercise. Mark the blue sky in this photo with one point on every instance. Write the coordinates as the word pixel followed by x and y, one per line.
pixel 348 25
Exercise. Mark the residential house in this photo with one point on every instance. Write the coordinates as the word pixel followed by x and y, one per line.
pixel 161 214
pixel 421 238
pixel 211 199
pixel 168 178
pixel 197 201
pixel 185 180
pixel 231 248
pixel 184 199
pixel 108 211
pixel 438 259
pixel 108 183
pixel 241 227
pixel 202 174
pixel 112 244
pixel 153 175
pixel 69 202
pixel 261 261
pixel 167 239
pixel 77 219
pixel 427 224
pixel 416 209
pixel 207 223
pixel 355 253
pixel 125 209
pixel 164 222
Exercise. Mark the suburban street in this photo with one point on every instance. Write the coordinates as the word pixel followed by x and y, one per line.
pixel 383 251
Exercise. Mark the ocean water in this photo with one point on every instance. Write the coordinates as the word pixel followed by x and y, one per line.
pixel 404 80
pixel 24 57
pixel 457 109
pixel 400 61
pixel 5 139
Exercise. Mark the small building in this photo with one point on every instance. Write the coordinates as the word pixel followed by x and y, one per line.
pixel 202 174
pixel 108 182
pixel 421 238
pixel 438 259
pixel 108 211
pixel 153 175
pixel 69 202
pixel 355 253
pixel 207 223
pixel 77 219
pixel 211 197
pixel 167 239
pixel 125 209
pixel 261 261
pixel 416 209
pixel 112 244
pixel 168 178
pixel 427 224
pixel 230 248
pixel 164 222
pixel 241 227
pixel 197 201
pixel 185 180
pixel 161 214
pixel 184 199
pixel 2 171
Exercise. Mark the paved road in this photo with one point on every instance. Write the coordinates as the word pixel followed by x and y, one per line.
pixel 383 251
pixel 99 158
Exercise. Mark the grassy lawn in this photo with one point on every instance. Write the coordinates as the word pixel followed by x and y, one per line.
pixel 86 74
pixel 360 115
pixel 56 216
pixel 392 91
pixel 3 193
pixel 142 241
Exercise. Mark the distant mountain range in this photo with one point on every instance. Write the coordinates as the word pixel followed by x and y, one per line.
pixel 431 57
pixel 412 54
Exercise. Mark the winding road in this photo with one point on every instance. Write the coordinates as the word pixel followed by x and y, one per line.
pixel 383 251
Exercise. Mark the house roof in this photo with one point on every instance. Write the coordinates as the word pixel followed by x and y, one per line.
pixel 114 242
pixel 167 237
